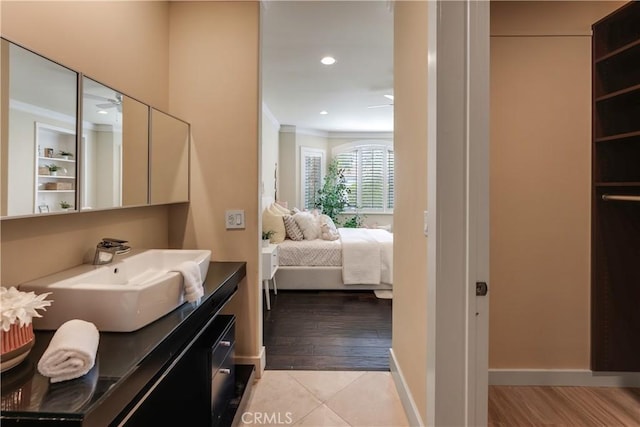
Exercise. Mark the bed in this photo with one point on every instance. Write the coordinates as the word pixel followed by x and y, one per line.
pixel 362 259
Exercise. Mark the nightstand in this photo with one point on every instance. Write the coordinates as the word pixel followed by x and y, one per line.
pixel 269 268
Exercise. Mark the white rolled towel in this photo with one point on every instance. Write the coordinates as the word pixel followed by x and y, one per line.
pixel 192 280
pixel 71 352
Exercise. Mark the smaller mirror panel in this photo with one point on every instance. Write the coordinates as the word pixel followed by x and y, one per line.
pixel 169 159
pixel 39 150
pixel 115 148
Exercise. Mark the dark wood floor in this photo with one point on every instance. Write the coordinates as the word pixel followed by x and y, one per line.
pixel 328 330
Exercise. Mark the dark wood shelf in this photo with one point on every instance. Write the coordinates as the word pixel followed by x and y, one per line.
pixel 615 227
pixel 617 184
pixel 617 137
pixel 618 51
pixel 621 92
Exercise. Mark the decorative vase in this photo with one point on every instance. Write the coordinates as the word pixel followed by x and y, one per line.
pixel 54 173
pixel 265 243
pixel 16 345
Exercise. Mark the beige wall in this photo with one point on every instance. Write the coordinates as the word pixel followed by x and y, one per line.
pixel 287 162
pixel 410 246
pixel 540 183
pixel 214 86
pixel 121 44
pixel 60 31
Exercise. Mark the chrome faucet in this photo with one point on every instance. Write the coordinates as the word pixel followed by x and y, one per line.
pixel 108 248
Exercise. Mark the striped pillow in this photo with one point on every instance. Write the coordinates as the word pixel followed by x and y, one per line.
pixel 294 232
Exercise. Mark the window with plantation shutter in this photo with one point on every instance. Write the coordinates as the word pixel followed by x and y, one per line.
pixel 312 174
pixel 369 172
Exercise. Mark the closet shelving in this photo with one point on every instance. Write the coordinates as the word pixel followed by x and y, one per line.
pixel 615 232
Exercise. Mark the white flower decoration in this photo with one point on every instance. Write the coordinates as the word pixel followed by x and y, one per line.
pixel 21 306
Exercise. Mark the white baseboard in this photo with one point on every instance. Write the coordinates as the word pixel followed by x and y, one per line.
pixel 259 361
pixel 563 377
pixel 410 408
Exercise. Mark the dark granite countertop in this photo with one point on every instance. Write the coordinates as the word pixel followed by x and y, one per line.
pixel 126 366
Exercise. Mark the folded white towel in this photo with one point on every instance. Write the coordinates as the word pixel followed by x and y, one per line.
pixel 193 289
pixel 71 352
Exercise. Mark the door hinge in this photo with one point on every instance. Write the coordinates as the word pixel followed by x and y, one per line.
pixel 481 289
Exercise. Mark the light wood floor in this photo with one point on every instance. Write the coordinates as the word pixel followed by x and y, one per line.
pixel 563 406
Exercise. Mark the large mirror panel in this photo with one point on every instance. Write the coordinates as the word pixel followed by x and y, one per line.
pixel 115 148
pixel 169 159
pixel 38 138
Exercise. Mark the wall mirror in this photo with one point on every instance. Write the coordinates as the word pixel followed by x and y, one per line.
pixel 115 148
pixel 38 137
pixel 169 159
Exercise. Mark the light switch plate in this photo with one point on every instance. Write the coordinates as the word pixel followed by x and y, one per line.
pixel 234 218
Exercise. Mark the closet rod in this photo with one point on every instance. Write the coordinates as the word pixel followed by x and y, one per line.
pixel 618 197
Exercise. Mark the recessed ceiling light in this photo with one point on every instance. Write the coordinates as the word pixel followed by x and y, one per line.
pixel 328 60
pixel 324 112
pixel 389 97
pixel 103 112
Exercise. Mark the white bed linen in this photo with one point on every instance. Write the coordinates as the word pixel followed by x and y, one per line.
pixel 367 256
pixel 310 253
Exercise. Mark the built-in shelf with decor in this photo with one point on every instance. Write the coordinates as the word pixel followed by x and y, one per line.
pixel 55 170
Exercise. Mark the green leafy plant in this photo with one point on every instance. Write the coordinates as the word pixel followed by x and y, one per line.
pixel 355 221
pixel 64 205
pixel 333 197
pixel 266 235
pixel 53 168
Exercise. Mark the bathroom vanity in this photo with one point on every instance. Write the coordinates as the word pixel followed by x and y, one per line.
pixel 178 370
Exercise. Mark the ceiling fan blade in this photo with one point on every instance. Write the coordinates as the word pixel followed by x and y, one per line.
pixel 379 106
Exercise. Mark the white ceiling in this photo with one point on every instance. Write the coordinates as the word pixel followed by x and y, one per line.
pixel 296 86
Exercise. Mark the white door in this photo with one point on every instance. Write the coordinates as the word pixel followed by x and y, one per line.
pixel 458 204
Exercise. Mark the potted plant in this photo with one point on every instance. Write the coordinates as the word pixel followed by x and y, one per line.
pixel 266 236
pixel 66 154
pixel 53 169
pixel 64 205
pixel 333 197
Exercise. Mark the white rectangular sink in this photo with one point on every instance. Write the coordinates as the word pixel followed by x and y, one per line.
pixel 123 296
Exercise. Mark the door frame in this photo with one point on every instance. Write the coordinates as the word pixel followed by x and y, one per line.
pixel 458 205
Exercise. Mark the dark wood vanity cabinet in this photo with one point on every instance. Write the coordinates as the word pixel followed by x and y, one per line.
pixel 199 385
pixel 615 232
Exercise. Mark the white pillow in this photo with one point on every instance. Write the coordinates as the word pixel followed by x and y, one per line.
pixel 309 225
pixel 280 209
pixel 273 221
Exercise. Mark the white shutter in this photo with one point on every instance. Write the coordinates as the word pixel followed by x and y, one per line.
pixel 391 188
pixel 369 173
pixel 312 162
pixel 372 194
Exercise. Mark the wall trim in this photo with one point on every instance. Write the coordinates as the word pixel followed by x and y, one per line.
pixel 362 135
pixel 259 361
pixel 563 377
pixel 409 405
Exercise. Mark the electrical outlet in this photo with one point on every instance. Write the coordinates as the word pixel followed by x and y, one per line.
pixel 234 218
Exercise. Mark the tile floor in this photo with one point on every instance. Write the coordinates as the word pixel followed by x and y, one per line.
pixel 324 398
